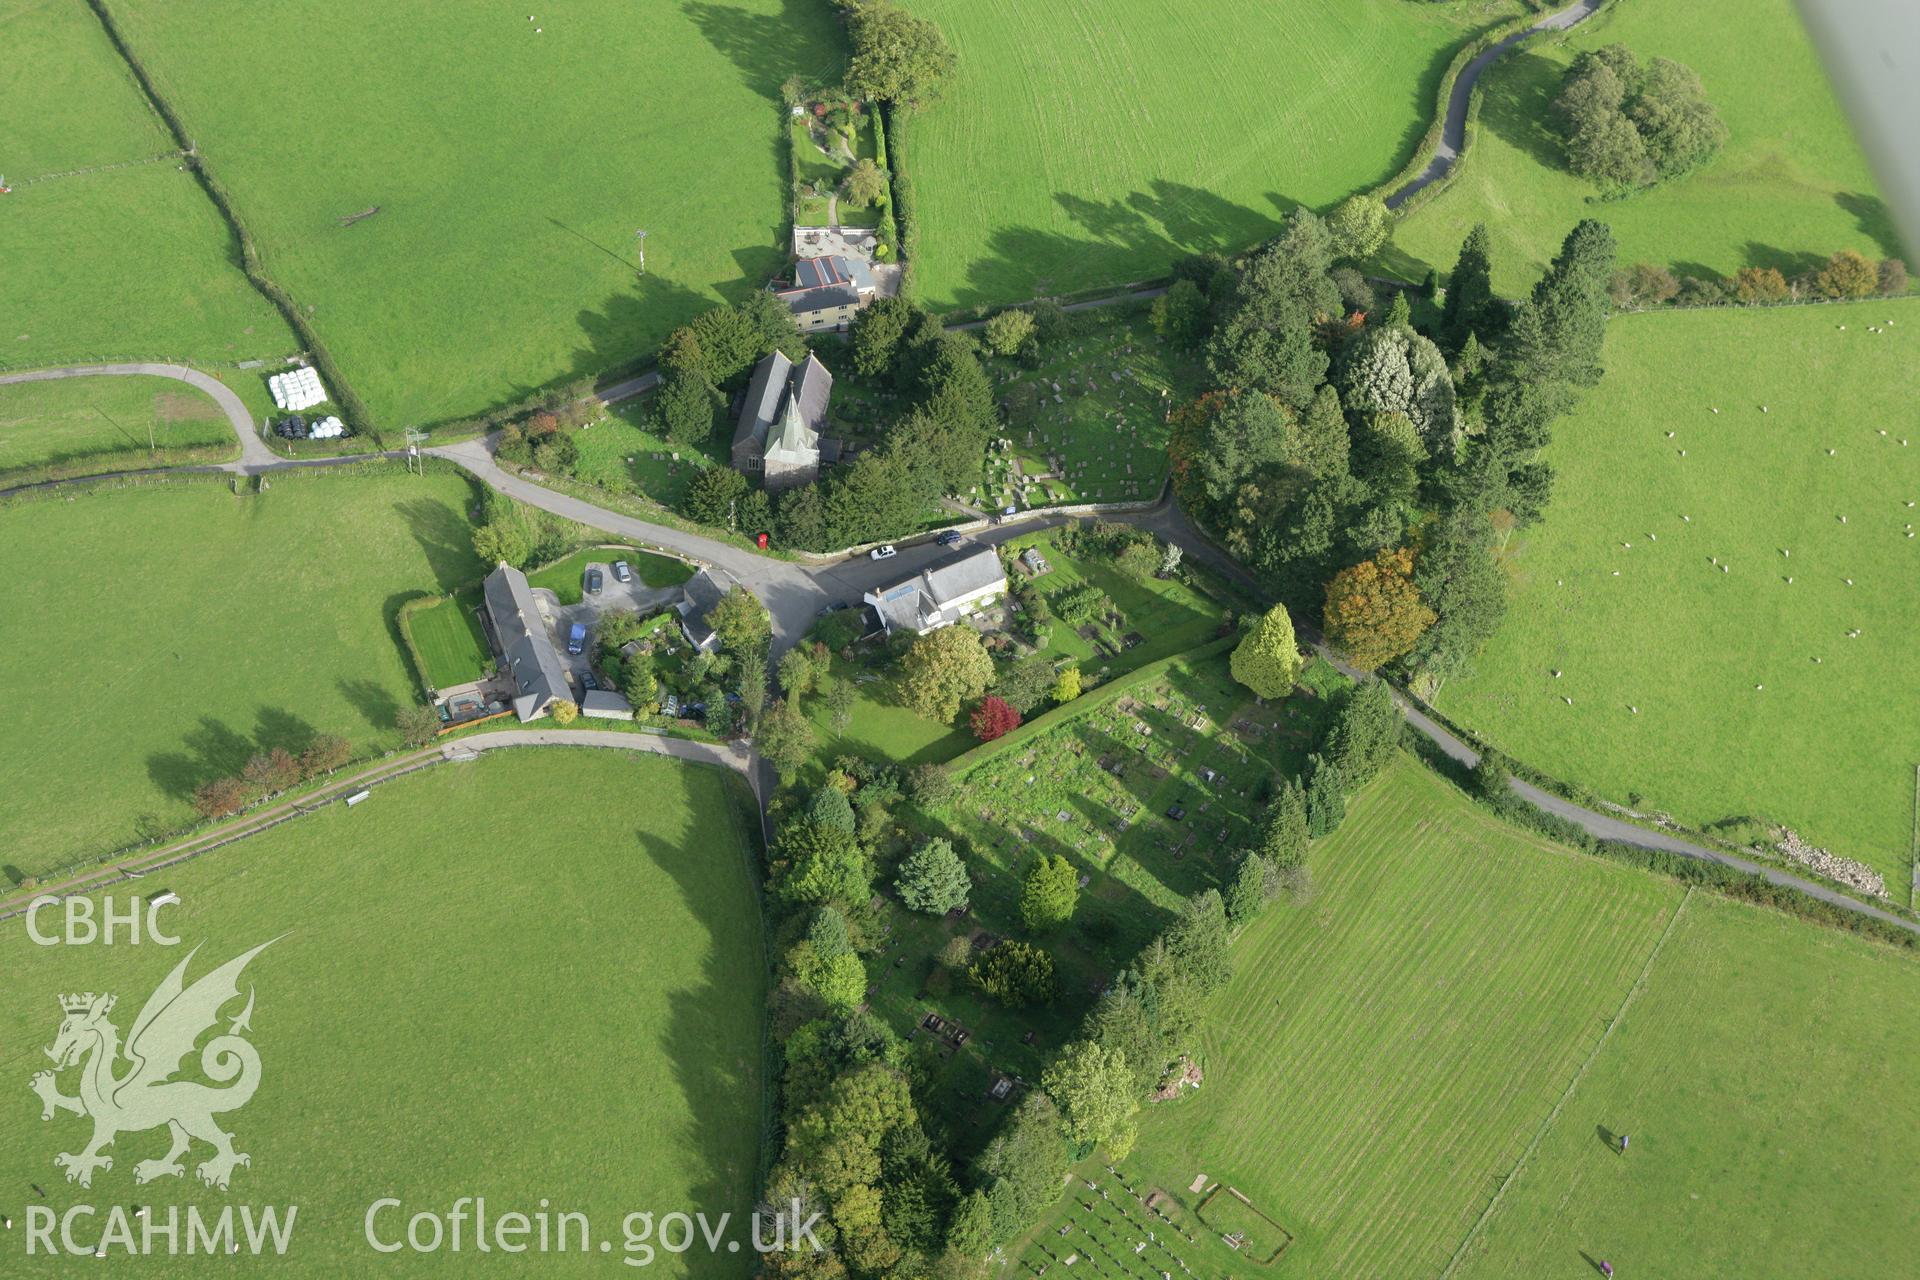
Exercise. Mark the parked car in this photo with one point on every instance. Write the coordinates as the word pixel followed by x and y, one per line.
pixel 588 682
pixel 948 537
pixel 622 571
pixel 887 552
pixel 1009 510
pixel 577 638
pixel 593 582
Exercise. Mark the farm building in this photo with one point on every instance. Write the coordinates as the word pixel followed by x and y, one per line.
pixel 697 598
pixel 942 593
pixel 604 704
pixel 520 637
pixel 778 433
pixel 827 291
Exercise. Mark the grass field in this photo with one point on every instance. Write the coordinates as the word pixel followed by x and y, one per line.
pixel 112 250
pixel 1436 1015
pixel 1094 141
pixel 83 426
pixel 600 1050
pixel 1766 1079
pixel 157 637
pixel 1828 746
pixel 510 166
pixel 1102 437
pixel 1791 186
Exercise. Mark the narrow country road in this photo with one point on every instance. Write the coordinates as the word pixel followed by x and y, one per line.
pixel 1453 133
pixel 253 450
pixel 796 593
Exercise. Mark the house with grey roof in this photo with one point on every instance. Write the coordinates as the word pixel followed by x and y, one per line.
pixel 826 291
pixel 697 598
pixel 778 435
pixel 942 593
pixel 520 637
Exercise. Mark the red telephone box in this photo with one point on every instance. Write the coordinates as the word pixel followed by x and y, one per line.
pixel 760 541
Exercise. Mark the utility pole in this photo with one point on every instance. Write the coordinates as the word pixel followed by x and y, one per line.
pixel 642 235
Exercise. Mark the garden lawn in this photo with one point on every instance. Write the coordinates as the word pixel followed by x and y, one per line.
pixel 1092 142
pixel 158 636
pixel 83 426
pixel 1102 437
pixel 480 986
pixel 511 168
pixel 112 250
pixel 1766 1079
pixel 1828 746
pixel 450 641
pixel 1790 187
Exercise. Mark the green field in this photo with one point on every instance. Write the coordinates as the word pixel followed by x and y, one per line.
pixel 1092 142
pixel 112 250
pixel 83 426
pixel 588 1032
pixel 511 162
pixel 1828 746
pixel 1391 1048
pixel 621 452
pixel 226 625
pixel 1765 1077
pixel 1790 188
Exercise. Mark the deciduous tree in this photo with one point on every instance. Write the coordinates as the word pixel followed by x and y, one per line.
pixel 943 670
pixel 1093 1088
pixel 1374 612
pixel 993 718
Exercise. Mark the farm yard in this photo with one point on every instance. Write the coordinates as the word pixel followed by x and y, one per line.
pixel 84 426
pixel 237 623
pixel 113 251
pixel 1090 424
pixel 645 953
pixel 1160 132
pixel 1790 188
pixel 1747 590
pixel 502 256
pixel 1390 1048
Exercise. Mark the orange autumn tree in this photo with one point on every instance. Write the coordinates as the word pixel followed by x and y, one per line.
pixel 1374 611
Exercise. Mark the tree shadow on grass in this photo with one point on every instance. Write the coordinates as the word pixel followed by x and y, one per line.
pixel 763 46
pixel 721 1077
pixel 444 536
pixel 1516 103
pixel 1875 221
pixel 1788 262
pixel 623 333
pixel 216 749
pixel 375 702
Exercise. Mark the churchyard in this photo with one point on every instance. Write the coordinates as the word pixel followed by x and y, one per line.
pixel 1102 788
pixel 623 453
pixel 1090 424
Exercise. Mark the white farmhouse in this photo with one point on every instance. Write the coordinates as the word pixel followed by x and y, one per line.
pixel 942 593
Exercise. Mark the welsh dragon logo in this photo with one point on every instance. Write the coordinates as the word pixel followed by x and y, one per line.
pixel 146 1096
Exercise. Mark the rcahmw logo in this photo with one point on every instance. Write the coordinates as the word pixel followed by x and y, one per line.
pixel 146 1096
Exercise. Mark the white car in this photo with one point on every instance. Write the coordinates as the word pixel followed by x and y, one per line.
pixel 883 553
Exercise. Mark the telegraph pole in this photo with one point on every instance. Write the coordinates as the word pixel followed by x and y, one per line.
pixel 642 236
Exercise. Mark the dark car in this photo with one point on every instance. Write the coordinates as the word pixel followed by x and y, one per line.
pixel 593 582
pixel 622 572
pixel 577 638
pixel 588 682
pixel 948 537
